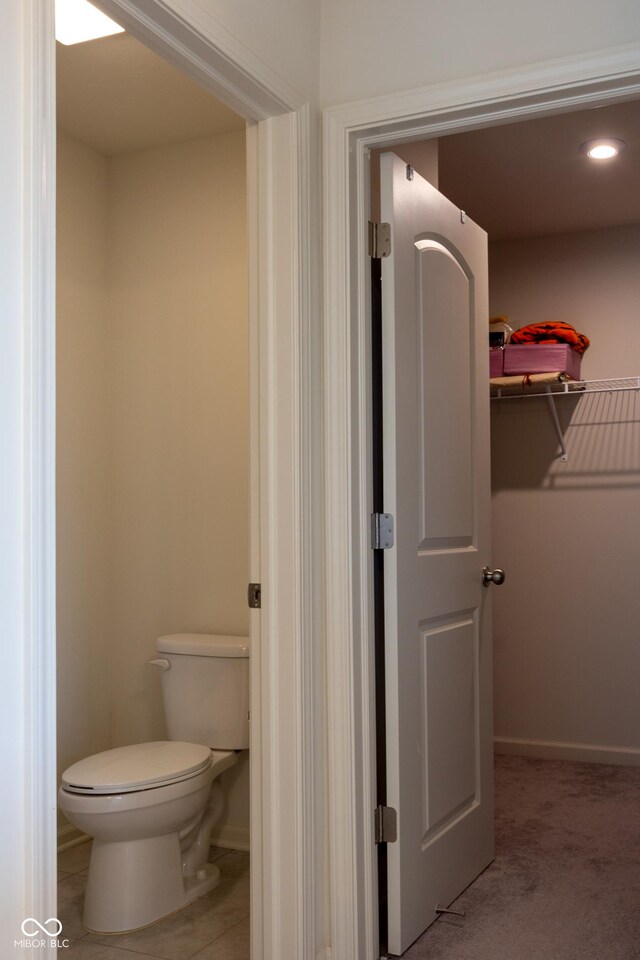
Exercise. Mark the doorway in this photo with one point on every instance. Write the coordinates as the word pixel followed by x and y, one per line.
pixel 562 241
pixel 426 113
pixel 279 218
pixel 153 418
pixel 570 256
pixel 564 251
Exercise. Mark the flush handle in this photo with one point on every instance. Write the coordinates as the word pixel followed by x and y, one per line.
pixel 492 576
pixel 161 663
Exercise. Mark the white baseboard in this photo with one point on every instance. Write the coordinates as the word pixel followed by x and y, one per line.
pixel 553 750
pixel 69 836
pixel 231 837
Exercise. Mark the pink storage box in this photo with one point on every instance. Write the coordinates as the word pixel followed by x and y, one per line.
pixel 523 358
pixel 496 361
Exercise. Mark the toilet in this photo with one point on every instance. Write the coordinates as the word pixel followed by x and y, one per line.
pixel 151 807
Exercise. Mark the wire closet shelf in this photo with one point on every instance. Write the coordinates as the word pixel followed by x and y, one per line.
pixel 563 388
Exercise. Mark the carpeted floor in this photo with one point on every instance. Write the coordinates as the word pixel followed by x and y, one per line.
pixel 565 884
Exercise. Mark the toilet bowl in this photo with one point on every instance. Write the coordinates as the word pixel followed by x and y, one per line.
pixel 150 809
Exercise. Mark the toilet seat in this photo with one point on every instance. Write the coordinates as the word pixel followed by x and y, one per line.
pixel 141 766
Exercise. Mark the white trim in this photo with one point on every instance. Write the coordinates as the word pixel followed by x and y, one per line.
pixel 231 837
pixel 289 767
pixel 69 836
pixel 255 552
pixel 350 729
pixel 561 85
pixel 556 750
pixel 310 552
pixel 285 777
pixel 349 130
pixel 39 466
pixel 198 43
pixel 286 652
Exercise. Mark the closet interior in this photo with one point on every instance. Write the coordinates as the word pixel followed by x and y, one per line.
pixel 564 240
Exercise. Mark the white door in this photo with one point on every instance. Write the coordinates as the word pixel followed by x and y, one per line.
pixel 437 486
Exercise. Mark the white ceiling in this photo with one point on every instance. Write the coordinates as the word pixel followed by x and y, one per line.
pixel 530 178
pixel 118 96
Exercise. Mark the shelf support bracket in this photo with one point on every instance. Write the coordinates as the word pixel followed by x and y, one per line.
pixel 554 416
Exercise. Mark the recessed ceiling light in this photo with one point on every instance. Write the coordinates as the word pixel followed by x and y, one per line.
pixel 603 149
pixel 78 21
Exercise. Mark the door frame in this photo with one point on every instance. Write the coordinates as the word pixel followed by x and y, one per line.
pixel 350 131
pixel 285 532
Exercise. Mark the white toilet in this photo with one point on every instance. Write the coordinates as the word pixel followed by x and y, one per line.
pixel 151 807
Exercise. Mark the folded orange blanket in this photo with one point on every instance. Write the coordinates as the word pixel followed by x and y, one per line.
pixel 551 332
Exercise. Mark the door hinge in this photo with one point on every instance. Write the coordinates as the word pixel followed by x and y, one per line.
pixel 254 596
pixel 386 825
pixel 379 240
pixel 381 531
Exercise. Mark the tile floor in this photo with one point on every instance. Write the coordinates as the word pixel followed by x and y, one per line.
pixel 214 927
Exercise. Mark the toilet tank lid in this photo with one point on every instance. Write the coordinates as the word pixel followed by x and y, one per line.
pixel 204 645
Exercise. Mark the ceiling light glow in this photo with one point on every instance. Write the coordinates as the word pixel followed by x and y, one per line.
pixel 604 149
pixel 78 21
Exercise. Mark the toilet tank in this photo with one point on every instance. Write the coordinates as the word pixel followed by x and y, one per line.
pixel 206 689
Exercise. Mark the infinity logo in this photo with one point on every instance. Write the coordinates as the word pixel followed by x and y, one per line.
pixel 44 927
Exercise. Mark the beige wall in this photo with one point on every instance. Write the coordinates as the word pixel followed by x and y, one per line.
pixel 178 241
pixel 180 406
pixel 283 34
pixel 567 657
pixel 83 463
pixel 372 47
pixel 176 501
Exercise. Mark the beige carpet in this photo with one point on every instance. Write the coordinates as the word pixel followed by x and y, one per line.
pixel 565 884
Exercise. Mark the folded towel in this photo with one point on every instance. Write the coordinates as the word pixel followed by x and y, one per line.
pixel 551 332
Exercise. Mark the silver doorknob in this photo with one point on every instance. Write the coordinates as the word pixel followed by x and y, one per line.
pixel 492 576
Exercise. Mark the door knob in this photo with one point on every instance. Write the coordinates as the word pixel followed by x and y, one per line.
pixel 492 576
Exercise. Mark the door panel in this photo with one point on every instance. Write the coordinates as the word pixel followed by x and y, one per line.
pixel 446 502
pixel 449 671
pixel 436 484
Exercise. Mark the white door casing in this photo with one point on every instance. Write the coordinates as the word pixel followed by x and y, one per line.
pixel 437 611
